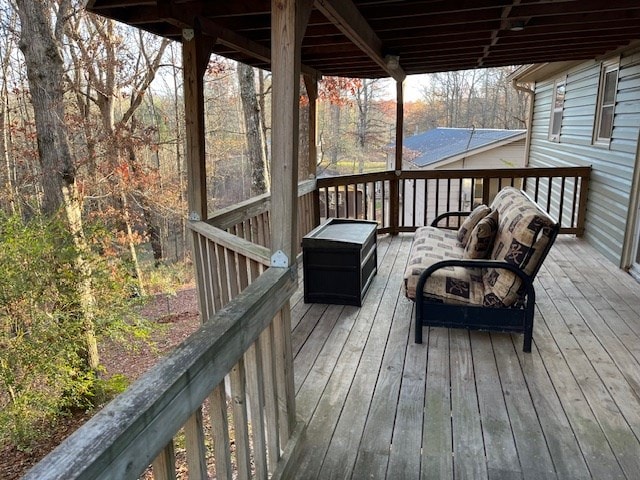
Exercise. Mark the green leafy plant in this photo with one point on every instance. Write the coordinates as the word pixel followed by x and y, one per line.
pixel 43 368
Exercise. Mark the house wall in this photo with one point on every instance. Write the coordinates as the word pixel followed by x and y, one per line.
pixel 613 165
pixel 505 156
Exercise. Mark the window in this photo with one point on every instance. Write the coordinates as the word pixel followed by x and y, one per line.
pixel 556 110
pixel 606 102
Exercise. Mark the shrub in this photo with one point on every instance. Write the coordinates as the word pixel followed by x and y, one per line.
pixel 43 368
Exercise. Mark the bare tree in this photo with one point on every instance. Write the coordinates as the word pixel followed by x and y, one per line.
pixel 484 99
pixel 9 16
pixel 99 81
pixel 253 131
pixel 41 47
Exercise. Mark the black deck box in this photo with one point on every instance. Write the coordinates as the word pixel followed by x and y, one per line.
pixel 339 261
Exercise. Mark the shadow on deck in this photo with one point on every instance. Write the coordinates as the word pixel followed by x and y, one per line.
pixel 471 404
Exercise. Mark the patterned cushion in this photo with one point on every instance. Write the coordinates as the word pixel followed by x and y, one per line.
pixel 481 238
pixel 450 284
pixel 523 233
pixel 470 222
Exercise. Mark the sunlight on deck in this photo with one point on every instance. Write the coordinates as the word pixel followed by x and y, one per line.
pixel 473 405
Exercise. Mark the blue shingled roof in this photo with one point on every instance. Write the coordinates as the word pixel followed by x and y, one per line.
pixel 441 143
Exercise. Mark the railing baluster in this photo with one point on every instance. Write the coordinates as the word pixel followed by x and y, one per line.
pixel 164 466
pixel 255 389
pixel 401 204
pixel 346 201
pixel 561 207
pixel 574 204
pixel 426 201
pixel 240 420
pixel 220 432
pixel 231 259
pixel 195 446
pixel 550 187
pixel 223 273
pixel 283 371
pixel 216 301
pixel 415 213
pixel 270 397
pixel 437 212
pixel 200 246
pixel 383 204
pixel 448 199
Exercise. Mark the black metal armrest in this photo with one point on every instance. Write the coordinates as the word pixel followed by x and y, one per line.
pixel 475 263
pixel 448 215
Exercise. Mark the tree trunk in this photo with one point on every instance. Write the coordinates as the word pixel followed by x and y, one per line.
pixel 251 111
pixel 262 103
pixel 45 71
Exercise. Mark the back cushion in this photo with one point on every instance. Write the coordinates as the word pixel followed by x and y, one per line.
pixel 523 234
pixel 470 222
pixel 481 239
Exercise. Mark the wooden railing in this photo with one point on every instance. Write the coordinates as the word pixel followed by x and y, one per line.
pixel 250 219
pixel 403 201
pixel 138 427
pixel 245 338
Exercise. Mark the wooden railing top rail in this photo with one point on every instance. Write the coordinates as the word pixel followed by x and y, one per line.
pixel 355 178
pixel 122 439
pixel 237 213
pixel 232 242
pixel 453 174
pixel 498 173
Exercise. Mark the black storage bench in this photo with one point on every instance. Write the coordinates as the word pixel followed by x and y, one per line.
pixel 339 261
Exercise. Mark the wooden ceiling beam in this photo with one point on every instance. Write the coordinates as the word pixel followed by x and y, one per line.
pixel 345 15
pixel 173 13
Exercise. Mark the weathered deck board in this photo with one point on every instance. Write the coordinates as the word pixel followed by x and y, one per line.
pixel 473 405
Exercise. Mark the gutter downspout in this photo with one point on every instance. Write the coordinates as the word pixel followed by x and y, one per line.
pixel 531 94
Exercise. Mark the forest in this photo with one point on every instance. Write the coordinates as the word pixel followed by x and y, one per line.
pixel 92 183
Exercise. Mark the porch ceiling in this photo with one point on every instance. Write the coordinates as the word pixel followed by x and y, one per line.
pixel 428 35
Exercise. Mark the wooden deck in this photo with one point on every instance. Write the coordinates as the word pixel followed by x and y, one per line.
pixel 473 405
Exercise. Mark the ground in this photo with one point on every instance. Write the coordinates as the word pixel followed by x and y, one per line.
pixel 178 314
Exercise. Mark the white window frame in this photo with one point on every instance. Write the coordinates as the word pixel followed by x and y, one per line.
pixel 602 103
pixel 554 120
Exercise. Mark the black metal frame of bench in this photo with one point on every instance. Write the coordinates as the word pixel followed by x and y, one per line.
pixel 516 319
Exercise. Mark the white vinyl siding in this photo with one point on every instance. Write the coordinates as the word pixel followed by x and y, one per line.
pixel 612 173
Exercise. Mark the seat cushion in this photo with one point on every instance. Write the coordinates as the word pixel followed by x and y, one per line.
pixel 450 284
pixel 464 232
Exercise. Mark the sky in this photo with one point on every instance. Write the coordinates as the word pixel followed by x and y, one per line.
pixel 412 87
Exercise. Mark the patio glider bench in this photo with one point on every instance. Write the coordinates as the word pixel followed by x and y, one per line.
pixel 481 276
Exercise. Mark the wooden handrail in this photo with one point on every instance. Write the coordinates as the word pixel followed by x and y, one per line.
pixel 122 439
pixel 398 200
pixel 251 219
pixel 239 245
pixel 234 214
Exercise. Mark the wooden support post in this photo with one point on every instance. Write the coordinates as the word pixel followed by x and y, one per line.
pixel 288 21
pixel 195 57
pixel 394 190
pixel 285 67
pixel 311 85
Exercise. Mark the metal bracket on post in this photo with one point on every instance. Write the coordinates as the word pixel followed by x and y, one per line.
pixel 279 259
pixel 188 34
pixel 194 216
